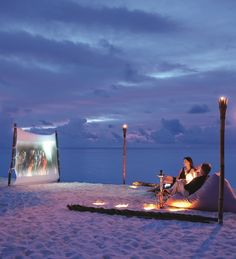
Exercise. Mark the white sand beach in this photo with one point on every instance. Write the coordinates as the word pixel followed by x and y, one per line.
pixel 36 223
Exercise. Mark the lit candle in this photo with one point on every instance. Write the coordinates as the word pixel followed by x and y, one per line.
pixel 99 203
pixel 133 187
pixel 151 206
pixel 122 205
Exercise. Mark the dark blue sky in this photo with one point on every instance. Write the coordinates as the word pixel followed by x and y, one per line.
pixel 90 66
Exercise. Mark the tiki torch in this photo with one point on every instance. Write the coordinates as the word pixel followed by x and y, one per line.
pixel 125 126
pixel 223 101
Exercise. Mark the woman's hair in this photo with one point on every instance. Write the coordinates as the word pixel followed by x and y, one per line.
pixel 190 160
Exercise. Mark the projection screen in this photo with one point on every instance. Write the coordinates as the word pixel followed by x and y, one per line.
pixel 36 158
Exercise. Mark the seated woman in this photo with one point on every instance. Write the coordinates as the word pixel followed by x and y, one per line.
pixel 186 174
pixel 188 188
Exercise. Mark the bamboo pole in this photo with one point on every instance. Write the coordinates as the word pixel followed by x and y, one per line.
pixel 223 107
pixel 13 154
pixel 125 126
pixel 58 159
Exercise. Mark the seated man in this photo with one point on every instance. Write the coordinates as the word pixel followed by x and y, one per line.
pixel 197 182
pixel 186 189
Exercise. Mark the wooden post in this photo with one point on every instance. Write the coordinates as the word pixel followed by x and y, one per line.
pixel 125 126
pixel 58 160
pixel 13 154
pixel 222 106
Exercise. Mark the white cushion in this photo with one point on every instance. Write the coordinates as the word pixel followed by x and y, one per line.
pixel 206 198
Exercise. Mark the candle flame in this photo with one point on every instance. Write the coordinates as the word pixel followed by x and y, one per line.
pixel 122 205
pixel 149 206
pixel 99 203
pixel 133 186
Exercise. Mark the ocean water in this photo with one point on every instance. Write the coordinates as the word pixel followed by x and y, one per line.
pixel 104 165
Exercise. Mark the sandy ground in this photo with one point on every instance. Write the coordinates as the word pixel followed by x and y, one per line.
pixel 35 223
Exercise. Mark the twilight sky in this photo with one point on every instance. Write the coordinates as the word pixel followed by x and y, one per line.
pixel 87 67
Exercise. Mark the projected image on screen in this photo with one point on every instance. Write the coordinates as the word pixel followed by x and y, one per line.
pixel 36 158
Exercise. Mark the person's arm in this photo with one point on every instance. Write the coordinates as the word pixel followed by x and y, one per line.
pixel 172 179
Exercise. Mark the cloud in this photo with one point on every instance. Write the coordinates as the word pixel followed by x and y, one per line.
pixel 173 132
pixel 200 136
pixel 197 108
pixel 110 48
pixel 68 12
pixel 93 59
pixel 168 131
pixel 173 126
pixel 101 93
pixel 53 52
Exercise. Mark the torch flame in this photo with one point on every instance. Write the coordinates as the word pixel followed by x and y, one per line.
pixel 223 100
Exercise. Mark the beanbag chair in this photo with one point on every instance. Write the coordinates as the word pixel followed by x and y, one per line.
pixel 206 198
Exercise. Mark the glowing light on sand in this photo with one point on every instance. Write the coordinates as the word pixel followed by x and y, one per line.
pixel 150 206
pixel 181 204
pixel 176 209
pixel 133 186
pixel 122 205
pixel 99 203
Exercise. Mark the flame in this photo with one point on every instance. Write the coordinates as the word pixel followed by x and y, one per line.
pixel 125 126
pixel 223 100
pixel 133 186
pixel 122 205
pixel 99 203
pixel 149 206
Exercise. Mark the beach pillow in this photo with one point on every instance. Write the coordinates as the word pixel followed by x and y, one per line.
pixel 206 198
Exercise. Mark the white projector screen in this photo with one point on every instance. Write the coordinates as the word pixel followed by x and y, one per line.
pixel 36 158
